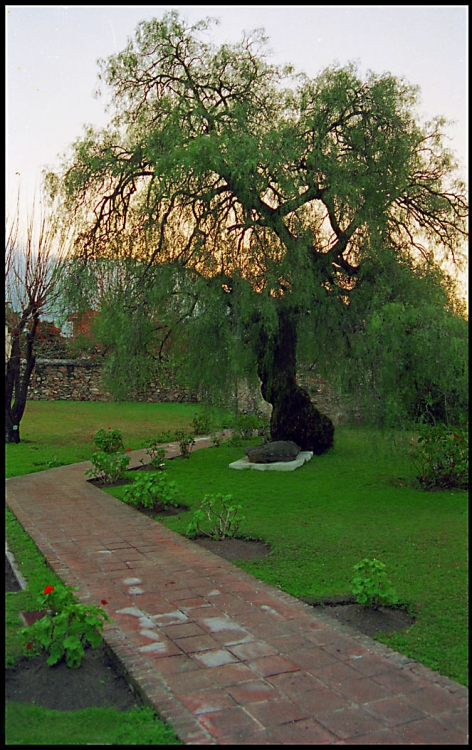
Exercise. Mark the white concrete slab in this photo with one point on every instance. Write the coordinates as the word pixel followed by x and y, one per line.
pixel 244 463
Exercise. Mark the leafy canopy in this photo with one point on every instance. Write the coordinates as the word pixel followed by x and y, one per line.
pixel 230 186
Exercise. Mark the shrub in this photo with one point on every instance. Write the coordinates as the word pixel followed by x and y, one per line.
pixel 108 441
pixel 222 514
pixel 151 491
pixel 441 456
pixel 371 586
pixel 201 423
pixel 156 454
pixel 108 467
pixel 186 443
pixel 67 626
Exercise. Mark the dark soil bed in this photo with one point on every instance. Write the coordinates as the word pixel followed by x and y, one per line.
pixel 366 620
pixel 234 549
pixel 98 682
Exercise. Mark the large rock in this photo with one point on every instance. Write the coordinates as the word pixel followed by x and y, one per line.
pixel 280 450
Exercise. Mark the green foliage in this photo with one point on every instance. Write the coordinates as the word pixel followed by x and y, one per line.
pixel 156 454
pixel 67 626
pixel 108 467
pixel 222 514
pixel 441 457
pixel 236 190
pixel 371 586
pixel 201 423
pixel 358 504
pixel 248 424
pixel 186 443
pixel 63 429
pixel 108 441
pixel 151 491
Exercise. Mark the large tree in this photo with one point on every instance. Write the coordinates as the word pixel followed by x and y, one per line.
pixel 264 200
pixel 35 251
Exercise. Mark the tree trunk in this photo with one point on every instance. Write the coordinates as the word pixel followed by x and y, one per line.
pixel 17 382
pixel 12 431
pixel 294 417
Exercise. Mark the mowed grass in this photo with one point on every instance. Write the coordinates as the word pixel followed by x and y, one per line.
pixel 60 430
pixel 32 725
pixel 355 501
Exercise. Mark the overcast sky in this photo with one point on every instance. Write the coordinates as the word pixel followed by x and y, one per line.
pixel 51 54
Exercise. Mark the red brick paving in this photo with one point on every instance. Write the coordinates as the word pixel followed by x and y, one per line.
pixel 225 658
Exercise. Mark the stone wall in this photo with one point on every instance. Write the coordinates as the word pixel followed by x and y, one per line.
pixel 80 380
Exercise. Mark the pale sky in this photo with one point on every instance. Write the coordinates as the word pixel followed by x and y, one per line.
pixel 51 54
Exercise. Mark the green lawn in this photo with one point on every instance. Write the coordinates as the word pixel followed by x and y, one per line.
pixel 61 430
pixel 355 501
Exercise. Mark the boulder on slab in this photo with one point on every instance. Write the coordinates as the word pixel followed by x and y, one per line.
pixel 269 453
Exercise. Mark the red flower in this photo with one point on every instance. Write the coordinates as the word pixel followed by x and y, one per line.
pixel 48 590
pixel 455 435
pixel 128 449
pixel 29 645
pixel 104 602
pixel 91 437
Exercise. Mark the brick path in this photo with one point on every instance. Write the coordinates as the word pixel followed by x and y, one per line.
pixel 223 657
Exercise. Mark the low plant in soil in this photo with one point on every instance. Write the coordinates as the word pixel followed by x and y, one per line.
pixel 370 585
pixel 66 628
pixel 218 517
pixel 108 467
pixel 152 491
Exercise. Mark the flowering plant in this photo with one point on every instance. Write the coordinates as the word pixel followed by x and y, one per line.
pixel 371 586
pixel 108 467
pixel 156 454
pixel 108 441
pixel 67 626
pixel 186 443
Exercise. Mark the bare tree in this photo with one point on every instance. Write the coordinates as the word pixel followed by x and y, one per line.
pixel 35 251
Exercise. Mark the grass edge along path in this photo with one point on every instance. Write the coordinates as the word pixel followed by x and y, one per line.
pixel 33 725
pixel 317 533
pixel 360 494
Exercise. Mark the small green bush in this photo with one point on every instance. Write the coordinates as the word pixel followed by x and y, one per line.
pixel 222 514
pixel 108 467
pixel 441 457
pixel 186 443
pixel 371 586
pixel 201 423
pixel 66 627
pixel 108 441
pixel 151 491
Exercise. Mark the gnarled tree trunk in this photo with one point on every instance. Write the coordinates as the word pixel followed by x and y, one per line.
pixel 294 417
pixel 17 379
